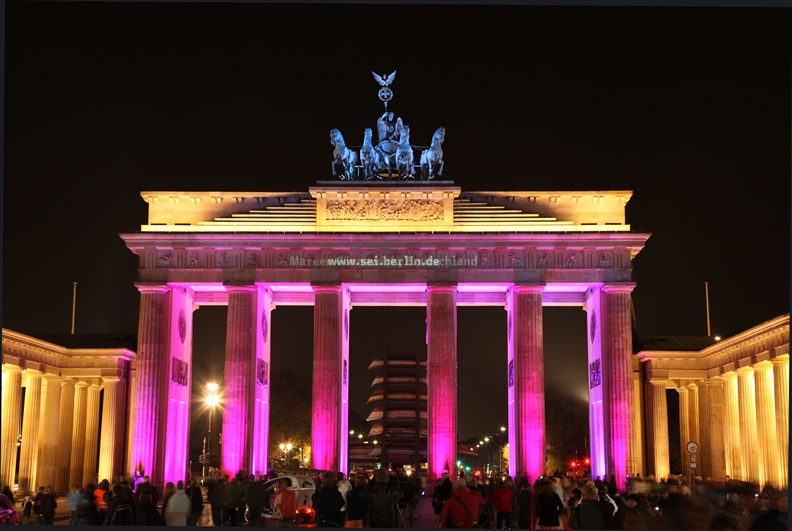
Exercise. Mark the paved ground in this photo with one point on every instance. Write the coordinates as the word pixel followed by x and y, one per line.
pixel 425 520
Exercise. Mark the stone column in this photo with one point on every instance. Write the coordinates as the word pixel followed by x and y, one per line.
pixel 617 377
pixel 717 451
pixel 92 436
pixel 152 371
pixel 749 444
pixel 12 402
pixel 660 428
pixel 731 427
pixel 327 361
pixel 30 433
pixel 766 424
pixel 108 467
pixel 65 432
pixel 47 464
pixel 705 443
pixel 78 433
pixel 636 450
pixel 527 430
pixel 684 428
pixel 239 379
pixel 441 378
pixel 781 380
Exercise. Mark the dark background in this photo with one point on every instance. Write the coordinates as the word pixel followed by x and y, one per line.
pixel 687 107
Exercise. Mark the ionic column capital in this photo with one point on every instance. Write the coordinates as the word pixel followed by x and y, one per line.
pixel 152 288
pixel 622 287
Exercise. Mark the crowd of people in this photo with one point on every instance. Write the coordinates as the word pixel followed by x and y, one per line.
pixel 560 503
pixel 116 504
pixel 388 499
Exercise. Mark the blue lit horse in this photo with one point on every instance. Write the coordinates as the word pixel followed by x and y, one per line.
pixel 343 156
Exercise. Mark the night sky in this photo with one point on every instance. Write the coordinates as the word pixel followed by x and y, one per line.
pixel 687 107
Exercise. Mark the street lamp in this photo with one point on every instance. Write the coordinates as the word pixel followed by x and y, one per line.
pixel 500 452
pixel 211 401
pixel 285 448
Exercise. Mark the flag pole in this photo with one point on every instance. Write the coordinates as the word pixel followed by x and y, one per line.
pixel 706 295
pixel 74 306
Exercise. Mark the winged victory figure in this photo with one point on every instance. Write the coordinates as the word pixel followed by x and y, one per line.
pixel 384 81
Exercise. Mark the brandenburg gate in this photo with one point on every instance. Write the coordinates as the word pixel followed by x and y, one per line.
pixel 380 243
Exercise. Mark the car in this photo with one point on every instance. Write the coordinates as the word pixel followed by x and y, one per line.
pixel 303 487
pixel 8 515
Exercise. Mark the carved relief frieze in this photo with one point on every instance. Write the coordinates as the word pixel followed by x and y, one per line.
pixel 194 260
pixel 595 374
pixel 573 259
pixel 224 259
pixel 253 259
pixel 262 372
pixel 180 374
pixel 485 259
pixel 604 259
pixel 384 210
pixel 516 260
pixel 544 259
pixel 166 259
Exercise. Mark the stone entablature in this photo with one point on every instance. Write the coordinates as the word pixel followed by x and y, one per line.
pixel 760 343
pixel 386 207
pixel 385 258
pixel 31 353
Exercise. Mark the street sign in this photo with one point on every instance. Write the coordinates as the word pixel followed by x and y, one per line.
pixel 692 465
pixel 692 447
pixel 693 458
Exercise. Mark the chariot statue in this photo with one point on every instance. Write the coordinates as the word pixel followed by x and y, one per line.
pixel 393 157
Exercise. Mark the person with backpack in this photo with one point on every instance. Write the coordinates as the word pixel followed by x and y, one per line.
pixel 462 508
pixel 119 512
pixel 591 513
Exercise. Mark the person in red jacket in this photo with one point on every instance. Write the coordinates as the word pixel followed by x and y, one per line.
pixel 502 497
pixel 462 509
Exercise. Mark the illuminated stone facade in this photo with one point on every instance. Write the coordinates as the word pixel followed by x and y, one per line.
pixel 734 402
pixel 59 422
pixel 342 245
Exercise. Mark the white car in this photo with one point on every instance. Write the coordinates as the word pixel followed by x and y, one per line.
pixel 303 487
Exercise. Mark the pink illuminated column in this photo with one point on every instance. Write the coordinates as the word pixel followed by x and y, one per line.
pixel 331 326
pixel 617 378
pixel 525 378
pixel 781 392
pixel 239 378
pixel 441 378
pixel 261 406
pixel 150 392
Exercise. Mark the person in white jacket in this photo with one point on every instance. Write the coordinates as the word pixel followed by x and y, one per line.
pixel 178 506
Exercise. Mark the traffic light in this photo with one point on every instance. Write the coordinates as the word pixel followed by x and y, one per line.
pixel 587 461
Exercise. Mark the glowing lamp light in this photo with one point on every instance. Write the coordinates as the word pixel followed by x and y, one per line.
pixel 375 441
pixel 212 387
pixel 503 429
pixel 360 436
pixel 351 432
pixel 459 463
pixel 212 400
pixel 717 338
